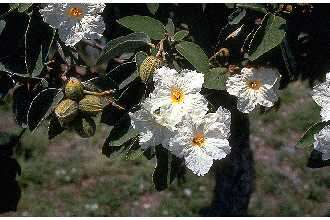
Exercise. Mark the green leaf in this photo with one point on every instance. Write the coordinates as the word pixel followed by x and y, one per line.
pixel 253 6
pixel 54 128
pixel 272 36
pixel 170 28
pixel 152 27
pixel 139 58
pixel 23 7
pixel 2 25
pixel 123 138
pixel 160 174
pixel 168 167
pixel 308 138
pixel 128 43
pixel 194 54
pixel 21 103
pixel 315 160
pixel 236 16
pixel 180 35
pixel 152 7
pixel 216 78
pixel 42 106
pixel 39 65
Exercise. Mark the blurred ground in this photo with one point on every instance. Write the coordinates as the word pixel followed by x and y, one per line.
pixel 70 177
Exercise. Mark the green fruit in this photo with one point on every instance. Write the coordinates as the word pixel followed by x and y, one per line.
pixel 91 105
pixel 148 67
pixel 74 89
pixel 85 127
pixel 66 111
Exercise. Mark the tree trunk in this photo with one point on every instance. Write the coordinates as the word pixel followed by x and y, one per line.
pixel 234 176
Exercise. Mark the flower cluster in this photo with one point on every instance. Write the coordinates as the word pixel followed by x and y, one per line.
pixel 321 95
pixel 254 86
pixel 75 21
pixel 175 116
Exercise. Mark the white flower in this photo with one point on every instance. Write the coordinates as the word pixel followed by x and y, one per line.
pixel 321 95
pixel 254 86
pixel 75 21
pixel 202 141
pixel 151 133
pixel 322 142
pixel 176 95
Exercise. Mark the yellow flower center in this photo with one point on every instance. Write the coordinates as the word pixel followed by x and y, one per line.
pixel 198 140
pixel 177 95
pixel 254 84
pixel 75 12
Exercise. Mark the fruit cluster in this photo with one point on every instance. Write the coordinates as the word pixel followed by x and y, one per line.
pixel 78 107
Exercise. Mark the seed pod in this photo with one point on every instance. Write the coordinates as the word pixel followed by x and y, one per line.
pixel 74 89
pixel 148 67
pixel 85 127
pixel 66 111
pixel 90 105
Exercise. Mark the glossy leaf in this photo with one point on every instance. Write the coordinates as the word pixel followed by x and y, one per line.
pixel 42 106
pixel 194 54
pixel 236 16
pixel 152 27
pixel 21 104
pixel 253 7
pixel 168 167
pixel 268 37
pixel 54 128
pixel 315 160
pixel 308 138
pixel 118 46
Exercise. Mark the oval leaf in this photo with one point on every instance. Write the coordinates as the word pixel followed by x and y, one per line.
pixel 216 79
pixel 180 35
pixel 2 25
pixel 272 36
pixel 118 46
pixel 170 28
pixel 194 54
pixel 21 103
pixel 153 7
pixel 308 138
pixel 154 28
pixel 42 106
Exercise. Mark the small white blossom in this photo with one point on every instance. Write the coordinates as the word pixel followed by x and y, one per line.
pixel 75 21
pixel 321 95
pixel 176 95
pixel 322 142
pixel 254 86
pixel 201 141
pixel 151 133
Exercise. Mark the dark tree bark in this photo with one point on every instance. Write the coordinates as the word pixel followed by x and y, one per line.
pixel 235 175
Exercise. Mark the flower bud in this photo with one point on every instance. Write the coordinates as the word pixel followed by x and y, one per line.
pixel 66 111
pixel 91 105
pixel 85 127
pixel 74 89
pixel 148 67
